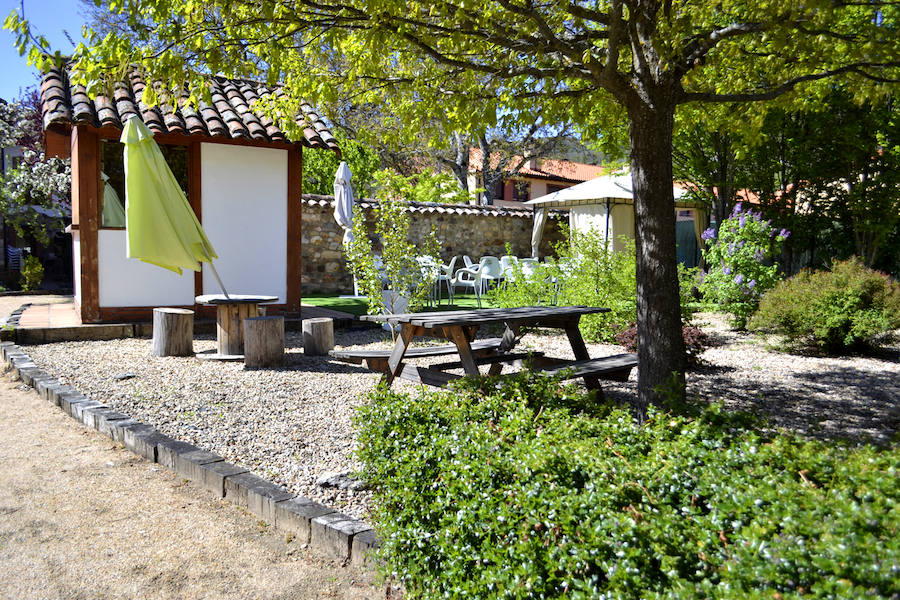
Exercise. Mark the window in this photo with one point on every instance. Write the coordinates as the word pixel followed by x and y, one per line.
pixel 555 188
pixel 112 166
pixel 521 191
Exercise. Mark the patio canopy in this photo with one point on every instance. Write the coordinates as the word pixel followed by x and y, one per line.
pixel 606 190
pixel 593 191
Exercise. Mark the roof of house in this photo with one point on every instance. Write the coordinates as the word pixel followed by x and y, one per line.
pixel 230 115
pixel 547 168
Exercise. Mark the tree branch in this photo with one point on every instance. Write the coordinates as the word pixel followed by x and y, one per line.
pixel 856 68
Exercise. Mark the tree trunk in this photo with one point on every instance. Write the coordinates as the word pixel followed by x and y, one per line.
pixel 264 342
pixel 318 336
pixel 173 332
pixel 660 341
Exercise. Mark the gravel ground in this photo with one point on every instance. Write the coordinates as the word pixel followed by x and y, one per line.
pixel 294 425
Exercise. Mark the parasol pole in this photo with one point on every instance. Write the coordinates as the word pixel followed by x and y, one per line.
pixel 221 285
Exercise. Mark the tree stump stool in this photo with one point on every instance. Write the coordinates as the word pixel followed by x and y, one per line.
pixel 229 326
pixel 318 336
pixel 264 342
pixel 173 332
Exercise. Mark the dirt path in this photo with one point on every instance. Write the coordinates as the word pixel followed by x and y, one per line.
pixel 80 517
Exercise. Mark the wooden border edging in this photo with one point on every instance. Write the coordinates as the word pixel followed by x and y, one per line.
pixel 326 531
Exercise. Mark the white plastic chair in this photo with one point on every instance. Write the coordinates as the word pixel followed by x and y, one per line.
pixel 478 278
pixel 508 265
pixel 446 274
pixel 431 272
pixel 528 266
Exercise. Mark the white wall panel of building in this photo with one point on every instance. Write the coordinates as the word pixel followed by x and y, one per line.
pixel 131 282
pixel 244 214
pixel 76 265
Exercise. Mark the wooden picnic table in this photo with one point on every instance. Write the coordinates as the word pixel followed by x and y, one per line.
pixel 460 327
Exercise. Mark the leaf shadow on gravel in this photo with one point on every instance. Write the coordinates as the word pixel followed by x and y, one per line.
pixel 833 403
pixel 837 403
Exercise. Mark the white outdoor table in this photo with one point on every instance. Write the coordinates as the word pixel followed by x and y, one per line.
pixel 230 314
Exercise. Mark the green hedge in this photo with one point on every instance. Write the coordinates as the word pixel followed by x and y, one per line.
pixel 531 490
pixel 845 308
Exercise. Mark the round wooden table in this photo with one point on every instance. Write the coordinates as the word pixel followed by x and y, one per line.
pixel 230 315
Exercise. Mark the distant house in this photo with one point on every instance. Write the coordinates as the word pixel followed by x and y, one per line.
pixel 537 177
pixel 240 172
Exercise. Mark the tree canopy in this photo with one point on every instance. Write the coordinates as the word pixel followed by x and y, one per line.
pixel 594 63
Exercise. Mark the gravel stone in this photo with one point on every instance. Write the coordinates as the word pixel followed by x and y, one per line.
pixel 294 424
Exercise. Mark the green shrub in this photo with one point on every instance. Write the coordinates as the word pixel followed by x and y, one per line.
pixel 844 308
pixel 587 272
pixel 740 263
pixel 515 491
pixel 696 341
pixel 32 273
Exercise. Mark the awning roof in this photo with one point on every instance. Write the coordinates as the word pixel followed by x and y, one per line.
pixel 614 187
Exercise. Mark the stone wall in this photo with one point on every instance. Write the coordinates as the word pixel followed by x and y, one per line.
pixel 461 229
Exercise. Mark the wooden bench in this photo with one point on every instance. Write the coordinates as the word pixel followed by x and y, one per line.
pixel 376 360
pixel 614 368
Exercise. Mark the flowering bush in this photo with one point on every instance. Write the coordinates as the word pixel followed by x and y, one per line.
pixel 740 262
pixel 37 187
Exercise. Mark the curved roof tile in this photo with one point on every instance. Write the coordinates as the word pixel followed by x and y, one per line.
pixel 230 115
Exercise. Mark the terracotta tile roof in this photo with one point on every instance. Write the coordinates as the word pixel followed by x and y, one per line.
pixel 230 115
pixel 547 168
pixel 431 207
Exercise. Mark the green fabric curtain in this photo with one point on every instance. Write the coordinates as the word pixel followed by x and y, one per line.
pixel 161 227
pixel 113 213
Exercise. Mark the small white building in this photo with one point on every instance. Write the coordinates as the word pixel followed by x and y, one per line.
pixel 240 173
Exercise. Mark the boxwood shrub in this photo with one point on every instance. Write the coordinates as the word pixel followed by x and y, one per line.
pixel 527 489
pixel 842 309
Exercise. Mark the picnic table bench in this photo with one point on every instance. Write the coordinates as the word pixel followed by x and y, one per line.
pixel 376 360
pixel 459 327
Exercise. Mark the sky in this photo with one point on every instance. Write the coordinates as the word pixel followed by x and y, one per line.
pixel 48 18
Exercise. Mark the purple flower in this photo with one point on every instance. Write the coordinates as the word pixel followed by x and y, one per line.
pixel 730 248
pixel 751 284
pixel 708 234
pixel 757 216
pixel 738 278
pixel 742 221
pixel 784 233
pixel 737 208
pixel 726 270
pixel 758 255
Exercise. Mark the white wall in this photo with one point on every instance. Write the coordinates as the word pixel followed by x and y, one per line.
pixel 244 215
pixel 131 282
pixel 76 265
pixel 591 217
pixel 538 189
